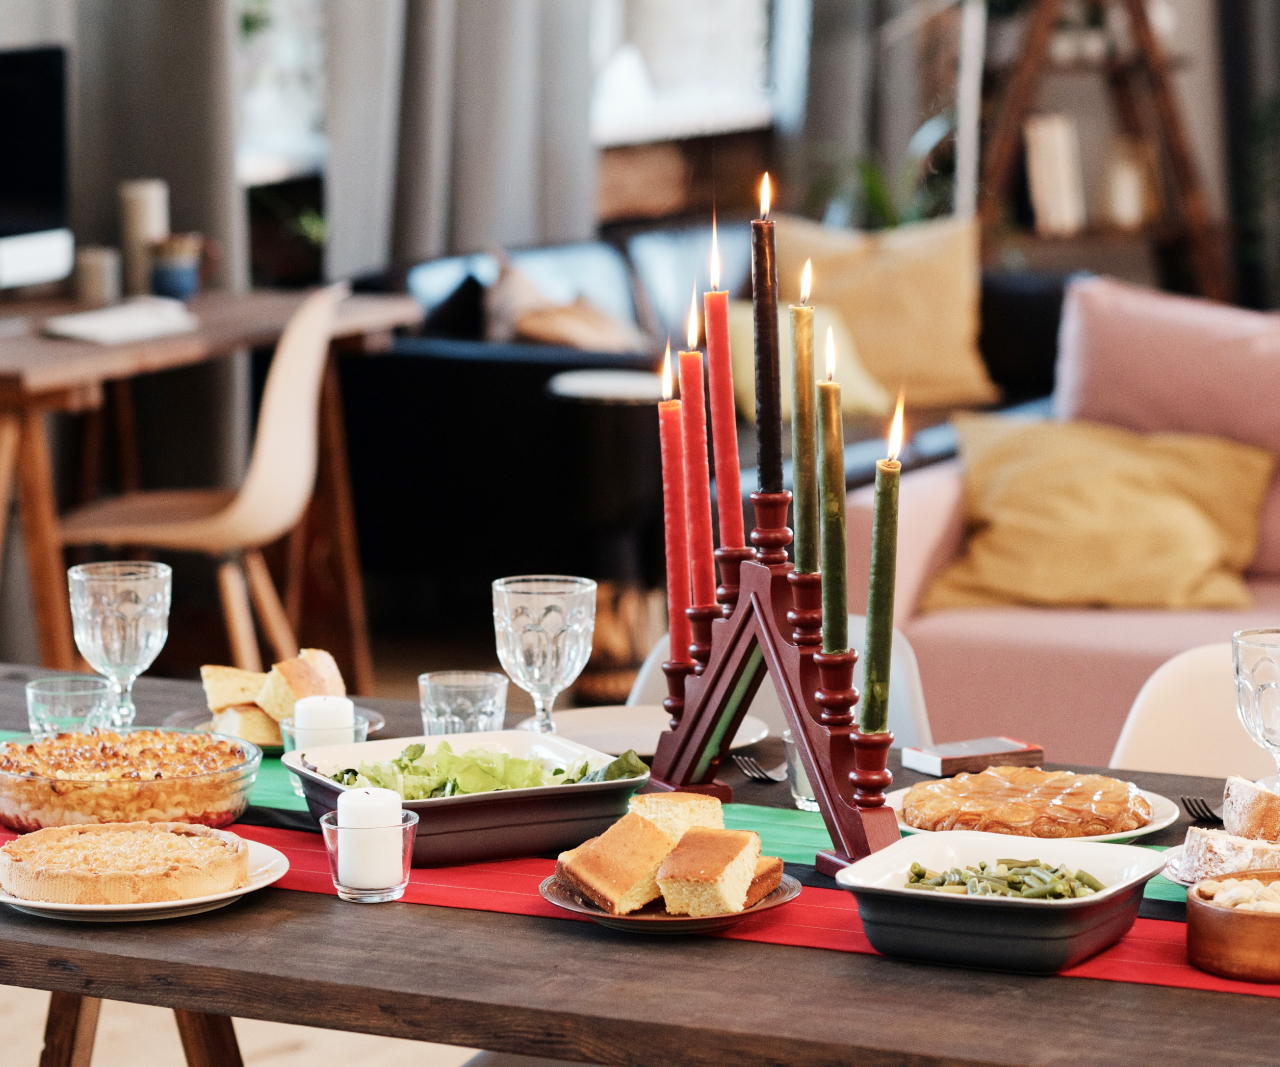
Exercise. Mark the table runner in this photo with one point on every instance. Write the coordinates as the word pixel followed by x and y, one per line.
pixel 1152 953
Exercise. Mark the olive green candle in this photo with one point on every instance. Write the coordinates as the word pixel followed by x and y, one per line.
pixel 835 574
pixel 878 650
pixel 804 441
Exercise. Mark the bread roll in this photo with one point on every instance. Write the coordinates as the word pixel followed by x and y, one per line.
pixel 287 682
pixel 248 721
pixel 225 686
pixel 709 871
pixel 327 668
pixel 676 812
pixel 618 869
pixel 1248 810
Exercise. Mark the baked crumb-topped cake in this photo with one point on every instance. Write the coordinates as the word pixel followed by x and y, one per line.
pixel 128 863
pixel 1027 802
pixel 131 776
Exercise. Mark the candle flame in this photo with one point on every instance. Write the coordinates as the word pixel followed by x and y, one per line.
pixel 806 281
pixel 764 196
pixel 895 431
pixel 831 354
pixel 692 335
pixel 715 254
pixel 667 389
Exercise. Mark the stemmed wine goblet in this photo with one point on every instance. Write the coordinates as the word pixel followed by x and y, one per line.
pixel 544 624
pixel 1255 655
pixel 121 616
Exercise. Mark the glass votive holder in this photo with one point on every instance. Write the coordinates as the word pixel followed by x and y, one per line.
pixel 69 705
pixel 363 859
pixel 295 737
pixel 462 702
pixel 801 790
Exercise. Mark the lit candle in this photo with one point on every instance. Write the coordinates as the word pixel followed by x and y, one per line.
pixel 674 519
pixel 724 424
pixel 764 296
pixel 877 653
pixel 323 720
pixel 370 839
pixel 835 567
pixel 804 444
pixel 697 475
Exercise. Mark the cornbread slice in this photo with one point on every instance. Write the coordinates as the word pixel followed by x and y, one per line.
pixel 225 686
pixel 287 682
pixel 709 871
pixel 617 869
pixel 674 813
pixel 327 668
pixel 767 878
pixel 123 863
pixel 249 722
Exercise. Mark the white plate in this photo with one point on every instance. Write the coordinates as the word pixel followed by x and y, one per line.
pixel 618 727
pixel 266 865
pixel 1164 812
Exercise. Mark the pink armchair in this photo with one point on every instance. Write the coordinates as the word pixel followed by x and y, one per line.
pixel 1067 678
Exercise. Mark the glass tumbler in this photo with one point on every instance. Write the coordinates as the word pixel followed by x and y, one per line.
pixel 544 624
pixel 370 864
pixel 801 790
pixel 121 617
pixel 68 705
pixel 462 702
pixel 1255 656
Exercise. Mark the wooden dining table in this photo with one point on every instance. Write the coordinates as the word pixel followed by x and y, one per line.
pixel 572 990
pixel 41 374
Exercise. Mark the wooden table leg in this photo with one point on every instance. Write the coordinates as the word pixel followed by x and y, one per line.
pixel 335 469
pixel 126 434
pixel 10 435
pixel 43 543
pixel 207 1040
pixel 69 1030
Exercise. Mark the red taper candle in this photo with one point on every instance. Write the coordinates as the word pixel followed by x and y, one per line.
pixel 724 423
pixel 697 476
pixel 674 516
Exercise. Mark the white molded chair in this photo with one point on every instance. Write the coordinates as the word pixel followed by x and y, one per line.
pixel 233 525
pixel 1184 721
pixel 908 718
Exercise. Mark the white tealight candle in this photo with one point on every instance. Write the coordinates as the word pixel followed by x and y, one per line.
pixel 323 721
pixel 370 839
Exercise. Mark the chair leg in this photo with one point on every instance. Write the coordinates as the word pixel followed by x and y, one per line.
pixel 238 616
pixel 10 434
pixel 266 602
pixel 69 1030
pixel 207 1040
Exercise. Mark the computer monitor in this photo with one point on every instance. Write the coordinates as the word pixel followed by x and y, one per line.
pixel 35 244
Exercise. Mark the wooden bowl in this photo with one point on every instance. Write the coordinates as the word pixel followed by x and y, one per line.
pixel 1232 944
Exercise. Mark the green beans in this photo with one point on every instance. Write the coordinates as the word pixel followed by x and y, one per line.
pixel 1024 879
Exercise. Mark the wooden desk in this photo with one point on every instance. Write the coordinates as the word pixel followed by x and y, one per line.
pixel 573 990
pixel 40 374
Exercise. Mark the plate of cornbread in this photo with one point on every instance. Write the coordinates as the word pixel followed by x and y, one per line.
pixel 669 866
pixel 252 704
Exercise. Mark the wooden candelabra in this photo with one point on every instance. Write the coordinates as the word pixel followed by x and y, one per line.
pixel 770 621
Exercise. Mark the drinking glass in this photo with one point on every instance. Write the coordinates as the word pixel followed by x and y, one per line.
pixel 544 624
pixel 1256 657
pixel 294 737
pixel 68 705
pixel 801 790
pixel 121 616
pixel 462 702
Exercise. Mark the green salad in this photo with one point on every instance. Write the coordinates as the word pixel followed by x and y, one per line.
pixel 420 775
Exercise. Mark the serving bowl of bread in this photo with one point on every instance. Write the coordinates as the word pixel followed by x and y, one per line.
pixel 669 866
pixel 1248 841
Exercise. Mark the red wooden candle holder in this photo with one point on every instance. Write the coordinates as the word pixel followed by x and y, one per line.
pixel 730 561
pixel 771 629
pixel 700 617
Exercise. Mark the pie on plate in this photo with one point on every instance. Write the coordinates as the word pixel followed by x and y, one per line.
pixel 126 863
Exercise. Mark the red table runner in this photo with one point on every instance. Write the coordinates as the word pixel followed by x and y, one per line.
pixel 1153 952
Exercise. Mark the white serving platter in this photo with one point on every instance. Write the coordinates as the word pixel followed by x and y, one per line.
pixel 1164 812
pixel 266 865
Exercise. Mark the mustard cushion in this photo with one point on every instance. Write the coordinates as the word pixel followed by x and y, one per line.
pixel 1079 514
pixel 909 296
pixel 860 394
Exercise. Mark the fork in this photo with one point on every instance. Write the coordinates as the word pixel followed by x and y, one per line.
pixel 1201 810
pixel 752 769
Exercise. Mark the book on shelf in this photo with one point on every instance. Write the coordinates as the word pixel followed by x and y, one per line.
pixel 1053 173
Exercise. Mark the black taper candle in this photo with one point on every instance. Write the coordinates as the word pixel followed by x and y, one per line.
pixel 764 295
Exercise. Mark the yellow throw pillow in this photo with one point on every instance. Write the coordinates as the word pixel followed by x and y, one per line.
pixel 908 295
pixel 860 394
pixel 1073 514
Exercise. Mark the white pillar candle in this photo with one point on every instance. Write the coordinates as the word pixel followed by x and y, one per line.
pixel 144 219
pixel 323 721
pixel 370 839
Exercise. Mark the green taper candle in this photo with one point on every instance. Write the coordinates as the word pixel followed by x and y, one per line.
pixel 835 573
pixel 878 650
pixel 804 441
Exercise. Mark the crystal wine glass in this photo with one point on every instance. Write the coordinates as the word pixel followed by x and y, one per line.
pixel 544 624
pixel 1256 657
pixel 121 616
